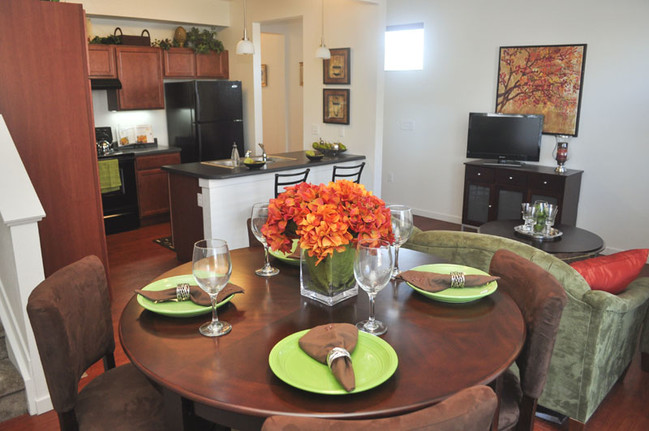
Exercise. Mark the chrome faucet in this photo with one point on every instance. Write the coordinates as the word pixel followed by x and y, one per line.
pixel 264 156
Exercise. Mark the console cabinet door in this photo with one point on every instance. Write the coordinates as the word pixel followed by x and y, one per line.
pixel 140 70
pixel 479 197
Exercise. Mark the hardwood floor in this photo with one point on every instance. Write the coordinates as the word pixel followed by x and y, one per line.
pixel 135 260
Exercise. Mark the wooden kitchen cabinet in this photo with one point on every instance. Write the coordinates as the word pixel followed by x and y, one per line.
pixel 139 68
pixel 184 63
pixel 496 192
pixel 153 186
pixel 101 61
pixel 213 65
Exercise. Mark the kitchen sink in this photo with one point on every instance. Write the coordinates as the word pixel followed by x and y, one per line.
pixel 227 163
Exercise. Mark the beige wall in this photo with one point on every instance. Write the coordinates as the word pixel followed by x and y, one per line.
pixel 197 12
pixel 274 94
pixel 459 76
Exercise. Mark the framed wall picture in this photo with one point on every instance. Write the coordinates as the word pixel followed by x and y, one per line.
pixel 336 69
pixel 301 74
pixel 543 80
pixel 264 75
pixel 335 106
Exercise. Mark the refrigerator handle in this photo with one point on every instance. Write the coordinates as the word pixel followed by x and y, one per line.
pixel 238 120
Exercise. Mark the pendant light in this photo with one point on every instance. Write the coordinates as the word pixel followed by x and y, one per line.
pixel 322 51
pixel 244 46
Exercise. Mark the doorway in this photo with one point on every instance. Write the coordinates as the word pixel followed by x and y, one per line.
pixel 281 89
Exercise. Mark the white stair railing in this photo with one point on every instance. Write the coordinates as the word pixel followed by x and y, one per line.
pixel 21 268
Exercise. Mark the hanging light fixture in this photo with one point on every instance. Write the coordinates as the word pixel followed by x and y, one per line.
pixel 322 51
pixel 244 46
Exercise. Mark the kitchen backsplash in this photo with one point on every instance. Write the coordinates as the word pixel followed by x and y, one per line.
pixel 156 118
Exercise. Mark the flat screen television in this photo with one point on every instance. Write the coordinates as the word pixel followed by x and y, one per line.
pixel 508 139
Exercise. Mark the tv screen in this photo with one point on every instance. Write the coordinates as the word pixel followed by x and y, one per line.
pixel 505 137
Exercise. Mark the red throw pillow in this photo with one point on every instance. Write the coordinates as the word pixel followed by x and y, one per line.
pixel 614 272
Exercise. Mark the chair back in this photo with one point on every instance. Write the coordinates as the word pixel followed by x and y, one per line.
pixel 352 173
pixel 541 300
pixel 290 179
pixel 471 409
pixel 71 319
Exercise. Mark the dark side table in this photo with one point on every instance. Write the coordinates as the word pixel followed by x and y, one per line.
pixel 574 244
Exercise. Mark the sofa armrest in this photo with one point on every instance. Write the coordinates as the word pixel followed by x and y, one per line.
pixel 635 295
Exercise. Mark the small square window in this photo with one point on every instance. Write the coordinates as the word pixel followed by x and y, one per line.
pixel 404 47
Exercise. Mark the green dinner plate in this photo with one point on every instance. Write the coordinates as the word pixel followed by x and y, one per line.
pixel 374 361
pixel 284 257
pixel 455 295
pixel 173 308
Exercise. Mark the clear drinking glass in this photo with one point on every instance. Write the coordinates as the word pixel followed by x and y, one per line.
pixel 211 267
pixel 372 270
pixel 257 220
pixel 551 216
pixel 529 213
pixel 402 228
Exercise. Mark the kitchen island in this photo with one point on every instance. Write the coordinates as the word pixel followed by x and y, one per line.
pixel 213 200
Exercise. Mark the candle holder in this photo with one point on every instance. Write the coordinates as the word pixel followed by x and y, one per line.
pixel 560 153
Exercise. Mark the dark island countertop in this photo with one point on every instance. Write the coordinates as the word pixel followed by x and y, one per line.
pixel 284 161
pixel 144 150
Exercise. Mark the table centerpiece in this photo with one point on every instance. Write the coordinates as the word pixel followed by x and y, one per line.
pixel 327 220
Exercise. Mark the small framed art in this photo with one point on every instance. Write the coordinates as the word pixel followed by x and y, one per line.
pixel 336 69
pixel 335 106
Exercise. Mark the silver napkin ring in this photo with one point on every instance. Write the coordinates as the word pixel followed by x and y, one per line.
pixel 335 353
pixel 457 279
pixel 182 292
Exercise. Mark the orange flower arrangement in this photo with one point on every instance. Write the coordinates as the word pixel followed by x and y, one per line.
pixel 325 218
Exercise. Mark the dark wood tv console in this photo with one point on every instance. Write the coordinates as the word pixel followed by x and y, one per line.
pixel 493 192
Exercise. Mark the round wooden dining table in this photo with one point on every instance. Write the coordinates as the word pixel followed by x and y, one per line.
pixel 441 348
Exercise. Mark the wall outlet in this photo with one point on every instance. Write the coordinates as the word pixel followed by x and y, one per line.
pixel 315 130
pixel 342 132
pixel 390 177
pixel 199 199
pixel 407 125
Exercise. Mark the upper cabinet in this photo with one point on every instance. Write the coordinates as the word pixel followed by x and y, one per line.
pixel 184 63
pixel 101 59
pixel 139 68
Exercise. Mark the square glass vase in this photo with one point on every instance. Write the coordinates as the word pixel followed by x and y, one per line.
pixel 331 280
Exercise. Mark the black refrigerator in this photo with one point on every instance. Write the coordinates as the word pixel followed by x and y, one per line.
pixel 204 118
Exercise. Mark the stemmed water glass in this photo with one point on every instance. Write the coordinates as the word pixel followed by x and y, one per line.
pixel 529 213
pixel 553 209
pixel 257 220
pixel 402 228
pixel 372 270
pixel 211 267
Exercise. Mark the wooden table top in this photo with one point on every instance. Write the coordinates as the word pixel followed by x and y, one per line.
pixel 442 348
pixel 575 243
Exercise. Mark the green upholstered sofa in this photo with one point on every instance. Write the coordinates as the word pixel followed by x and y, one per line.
pixel 598 334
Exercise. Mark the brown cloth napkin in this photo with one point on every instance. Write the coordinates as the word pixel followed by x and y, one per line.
pixel 197 295
pixel 434 282
pixel 319 341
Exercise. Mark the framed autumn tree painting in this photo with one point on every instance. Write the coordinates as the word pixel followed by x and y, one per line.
pixel 543 80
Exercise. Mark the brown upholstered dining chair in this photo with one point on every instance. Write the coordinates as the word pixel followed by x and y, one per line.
pixel 290 179
pixel 471 409
pixel 351 173
pixel 71 319
pixel 541 299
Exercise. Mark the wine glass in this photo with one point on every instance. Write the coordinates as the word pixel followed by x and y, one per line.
pixel 211 267
pixel 372 270
pixel 257 220
pixel 402 228
pixel 553 209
